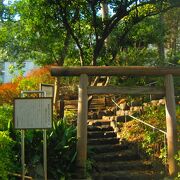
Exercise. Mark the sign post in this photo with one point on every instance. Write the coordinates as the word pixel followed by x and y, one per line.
pixel 33 113
pixel 22 154
pixel 45 153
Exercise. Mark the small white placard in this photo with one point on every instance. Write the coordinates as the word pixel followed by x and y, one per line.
pixel 49 89
pixel 33 113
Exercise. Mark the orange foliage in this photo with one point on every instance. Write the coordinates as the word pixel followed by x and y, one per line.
pixel 8 92
pixel 42 75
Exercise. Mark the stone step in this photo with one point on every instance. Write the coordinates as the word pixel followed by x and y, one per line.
pixel 124 165
pixel 99 114
pixel 101 134
pixel 114 160
pixel 97 106
pixel 101 141
pixel 98 101
pixel 125 155
pixel 121 118
pixel 122 112
pixel 99 122
pixel 127 175
pixel 107 148
pixel 100 128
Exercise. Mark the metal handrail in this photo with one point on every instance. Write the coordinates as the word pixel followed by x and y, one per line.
pixel 147 124
pixel 153 127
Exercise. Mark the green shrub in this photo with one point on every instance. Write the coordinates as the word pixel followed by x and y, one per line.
pixel 70 116
pixel 61 149
pixel 6 115
pixel 177 157
pixel 61 144
pixel 151 141
pixel 7 155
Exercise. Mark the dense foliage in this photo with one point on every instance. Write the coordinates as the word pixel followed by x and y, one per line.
pixel 73 32
pixel 62 149
pixel 150 140
pixel 7 155
pixel 34 78
pixel 8 92
pixel 6 114
pixel 61 140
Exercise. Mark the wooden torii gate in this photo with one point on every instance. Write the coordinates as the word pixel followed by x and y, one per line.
pixel 85 90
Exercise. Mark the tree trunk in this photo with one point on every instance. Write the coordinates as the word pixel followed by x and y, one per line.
pixel 174 37
pixel 104 11
pixel 57 79
pixel 161 39
pixel 81 57
pixel 102 41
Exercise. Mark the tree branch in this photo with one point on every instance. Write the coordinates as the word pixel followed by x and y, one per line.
pixel 70 30
pixel 94 21
pixel 121 13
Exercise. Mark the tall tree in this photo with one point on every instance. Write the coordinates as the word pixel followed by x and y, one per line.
pixel 54 31
pixel 125 12
pixel 161 48
pixel 105 14
pixel 172 22
pixel 45 29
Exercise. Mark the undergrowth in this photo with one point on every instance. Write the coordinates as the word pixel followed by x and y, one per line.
pixel 61 148
pixel 150 140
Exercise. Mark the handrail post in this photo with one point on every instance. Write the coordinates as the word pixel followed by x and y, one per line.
pixel 171 124
pixel 82 122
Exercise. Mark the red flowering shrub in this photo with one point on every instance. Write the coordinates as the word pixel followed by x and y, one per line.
pixel 8 92
pixel 34 78
pixel 42 75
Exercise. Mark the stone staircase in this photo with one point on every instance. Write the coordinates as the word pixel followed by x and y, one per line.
pixel 115 159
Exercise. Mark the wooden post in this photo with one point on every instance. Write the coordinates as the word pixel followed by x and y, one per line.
pixel 56 94
pixel 82 122
pixel 171 124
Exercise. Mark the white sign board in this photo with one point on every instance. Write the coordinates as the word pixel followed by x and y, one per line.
pixel 33 113
pixel 49 89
